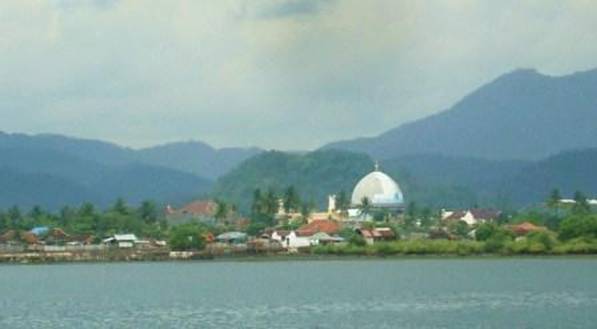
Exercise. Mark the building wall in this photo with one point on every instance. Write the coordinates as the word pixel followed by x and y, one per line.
pixel 293 241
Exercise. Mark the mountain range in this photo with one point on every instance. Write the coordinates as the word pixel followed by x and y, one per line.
pixel 505 144
pixel 54 170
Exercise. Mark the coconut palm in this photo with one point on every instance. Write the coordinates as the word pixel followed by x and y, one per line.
pixel 365 207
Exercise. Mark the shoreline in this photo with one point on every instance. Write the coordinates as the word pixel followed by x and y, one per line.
pixel 38 259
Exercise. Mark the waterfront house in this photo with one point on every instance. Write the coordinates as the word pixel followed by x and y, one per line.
pixel 83 239
pixel 322 238
pixel 121 240
pixel 276 235
pixel 303 236
pixel 376 234
pixel 40 230
pixel 57 236
pixel 297 239
pixel 264 245
pixel 232 238
pixel 331 227
pixel 30 238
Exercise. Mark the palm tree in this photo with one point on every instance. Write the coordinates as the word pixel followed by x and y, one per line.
pixel 257 205
pixel 411 213
pixel 271 203
pixel 306 211
pixel 581 206
pixel 342 201
pixel 553 202
pixel 365 207
pixel 221 210
pixel 291 200
pixel 148 211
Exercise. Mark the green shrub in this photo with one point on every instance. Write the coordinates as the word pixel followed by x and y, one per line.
pixel 357 240
pixel 545 238
pixel 580 225
pixel 187 237
pixel 577 246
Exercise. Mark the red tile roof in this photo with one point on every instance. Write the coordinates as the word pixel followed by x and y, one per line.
pixel 326 226
pixel 525 228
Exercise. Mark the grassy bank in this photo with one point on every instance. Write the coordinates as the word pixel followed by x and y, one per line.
pixel 463 248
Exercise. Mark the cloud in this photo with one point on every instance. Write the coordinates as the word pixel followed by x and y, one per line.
pixel 284 9
pixel 282 74
pixel 72 4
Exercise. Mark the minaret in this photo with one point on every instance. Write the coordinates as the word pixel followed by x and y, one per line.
pixel 331 203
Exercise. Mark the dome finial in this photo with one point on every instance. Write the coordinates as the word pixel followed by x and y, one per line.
pixel 376 165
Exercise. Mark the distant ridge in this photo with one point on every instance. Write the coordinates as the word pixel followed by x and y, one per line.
pixel 193 157
pixel 521 115
pixel 54 170
pixel 196 157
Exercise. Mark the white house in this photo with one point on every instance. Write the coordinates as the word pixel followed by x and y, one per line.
pixel 471 216
pixel 279 235
pixel 592 202
pixel 122 240
pixel 324 238
pixel 295 240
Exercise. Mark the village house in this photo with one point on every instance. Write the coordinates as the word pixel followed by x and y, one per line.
pixel 232 238
pixel 306 235
pixel 471 216
pixel 322 238
pixel 123 241
pixel 276 235
pixel 376 234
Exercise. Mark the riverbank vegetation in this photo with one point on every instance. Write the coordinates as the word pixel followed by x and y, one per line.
pixel 555 229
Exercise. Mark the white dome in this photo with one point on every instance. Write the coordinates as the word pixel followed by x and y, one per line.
pixel 380 189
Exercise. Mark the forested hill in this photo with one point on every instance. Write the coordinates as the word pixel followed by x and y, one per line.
pixel 314 175
pixel 520 115
pixel 568 171
pixel 52 179
pixel 428 180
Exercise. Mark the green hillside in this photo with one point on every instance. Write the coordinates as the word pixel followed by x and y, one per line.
pixel 315 175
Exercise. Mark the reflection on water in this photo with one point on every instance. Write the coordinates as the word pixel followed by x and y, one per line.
pixel 530 293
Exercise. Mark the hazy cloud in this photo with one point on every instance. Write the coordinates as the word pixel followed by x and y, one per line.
pixel 283 9
pixel 284 74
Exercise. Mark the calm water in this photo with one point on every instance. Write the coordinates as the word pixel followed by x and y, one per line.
pixel 426 293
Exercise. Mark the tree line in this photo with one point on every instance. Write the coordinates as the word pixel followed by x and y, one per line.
pixel 145 220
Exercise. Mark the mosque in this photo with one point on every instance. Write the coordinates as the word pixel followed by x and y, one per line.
pixel 381 191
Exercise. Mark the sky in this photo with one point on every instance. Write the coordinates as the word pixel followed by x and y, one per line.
pixel 289 75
